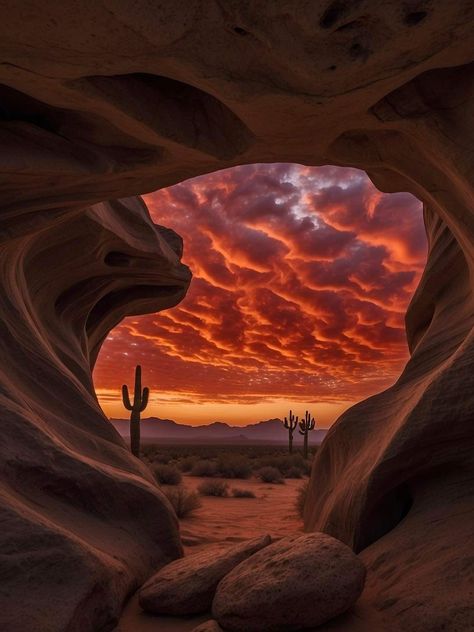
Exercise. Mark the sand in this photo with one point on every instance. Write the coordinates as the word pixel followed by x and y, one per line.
pixel 223 520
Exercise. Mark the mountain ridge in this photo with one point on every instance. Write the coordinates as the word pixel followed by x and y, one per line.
pixel 269 430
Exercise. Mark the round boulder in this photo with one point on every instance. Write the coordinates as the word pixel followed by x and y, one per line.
pixel 293 584
pixel 187 586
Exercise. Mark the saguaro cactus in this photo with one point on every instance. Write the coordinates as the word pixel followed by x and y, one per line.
pixel 306 425
pixel 140 401
pixel 290 424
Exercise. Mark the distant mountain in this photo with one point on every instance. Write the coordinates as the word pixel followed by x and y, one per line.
pixel 167 430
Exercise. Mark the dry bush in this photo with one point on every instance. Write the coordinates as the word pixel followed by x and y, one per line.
pixel 167 474
pixel 152 454
pixel 213 488
pixel 269 474
pixel 284 462
pixel 186 463
pixel 234 466
pixel 184 501
pixel 204 468
pixel 242 493
pixel 301 496
pixel 294 472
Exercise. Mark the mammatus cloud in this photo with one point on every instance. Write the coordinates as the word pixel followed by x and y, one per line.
pixel 302 277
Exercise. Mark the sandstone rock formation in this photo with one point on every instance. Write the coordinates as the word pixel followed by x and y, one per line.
pixel 111 99
pixel 71 545
pixel 208 626
pixel 187 586
pixel 293 584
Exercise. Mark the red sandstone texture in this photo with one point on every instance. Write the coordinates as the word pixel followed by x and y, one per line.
pixel 100 101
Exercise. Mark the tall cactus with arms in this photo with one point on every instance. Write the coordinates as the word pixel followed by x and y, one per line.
pixel 306 425
pixel 290 424
pixel 140 401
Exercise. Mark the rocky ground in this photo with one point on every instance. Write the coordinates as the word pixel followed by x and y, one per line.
pixel 224 520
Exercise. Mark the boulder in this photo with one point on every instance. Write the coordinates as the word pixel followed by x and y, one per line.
pixel 294 584
pixel 187 586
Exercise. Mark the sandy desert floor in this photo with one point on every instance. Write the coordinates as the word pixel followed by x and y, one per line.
pixel 224 520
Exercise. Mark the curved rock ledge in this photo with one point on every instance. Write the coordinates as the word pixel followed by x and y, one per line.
pixel 82 521
pixel 95 104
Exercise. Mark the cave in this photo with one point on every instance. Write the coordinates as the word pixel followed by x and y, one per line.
pixel 100 106
pixel 369 245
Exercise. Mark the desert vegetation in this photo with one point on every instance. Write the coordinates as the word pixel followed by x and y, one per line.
pixel 140 402
pixel 301 498
pixel 290 424
pixel 270 474
pixel 229 461
pixel 214 487
pixel 184 501
pixel 306 426
pixel 242 493
pixel 167 474
pixel 204 467
pixel 192 475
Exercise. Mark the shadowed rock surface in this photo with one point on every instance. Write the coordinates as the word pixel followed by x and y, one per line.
pixel 113 99
pixel 293 584
pixel 187 586
pixel 208 626
pixel 71 544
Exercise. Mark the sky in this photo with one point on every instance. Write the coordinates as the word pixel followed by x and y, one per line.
pixel 301 280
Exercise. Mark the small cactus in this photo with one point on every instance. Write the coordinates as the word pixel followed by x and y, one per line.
pixel 306 425
pixel 290 424
pixel 140 401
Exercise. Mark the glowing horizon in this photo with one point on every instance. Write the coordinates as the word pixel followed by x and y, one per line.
pixel 301 279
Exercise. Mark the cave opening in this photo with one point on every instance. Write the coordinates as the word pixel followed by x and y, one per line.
pixel 384 515
pixel 301 280
pixel 288 307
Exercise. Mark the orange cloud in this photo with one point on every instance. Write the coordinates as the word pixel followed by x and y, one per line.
pixel 301 281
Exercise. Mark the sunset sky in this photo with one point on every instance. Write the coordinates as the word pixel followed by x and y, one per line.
pixel 301 279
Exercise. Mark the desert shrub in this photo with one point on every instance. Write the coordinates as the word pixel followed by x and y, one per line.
pixel 282 462
pixel 269 474
pixel 159 457
pixel 147 451
pixel 204 468
pixel 242 493
pixel 300 500
pixel 153 455
pixel 184 501
pixel 234 466
pixel 305 465
pixel 167 474
pixel 294 472
pixel 186 463
pixel 264 461
pixel 213 488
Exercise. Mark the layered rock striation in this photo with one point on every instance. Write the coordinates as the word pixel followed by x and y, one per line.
pixel 107 100
pixel 83 522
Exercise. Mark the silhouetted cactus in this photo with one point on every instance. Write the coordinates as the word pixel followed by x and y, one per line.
pixel 290 425
pixel 306 425
pixel 140 401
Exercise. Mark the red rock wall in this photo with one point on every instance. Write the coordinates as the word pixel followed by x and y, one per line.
pixel 104 100
pixel 83 522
